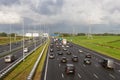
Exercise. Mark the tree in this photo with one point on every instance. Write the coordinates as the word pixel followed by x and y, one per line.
pixel 3 34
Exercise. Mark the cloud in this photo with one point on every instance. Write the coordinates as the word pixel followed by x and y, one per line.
pixel 68 11
pixel 9 17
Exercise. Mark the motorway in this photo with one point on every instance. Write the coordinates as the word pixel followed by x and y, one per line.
pixel 18 54
pixel 55 70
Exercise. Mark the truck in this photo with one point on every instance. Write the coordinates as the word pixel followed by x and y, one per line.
pixel 64 41
pixel 108 63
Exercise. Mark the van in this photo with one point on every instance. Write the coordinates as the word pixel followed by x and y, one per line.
pixel 9 58
pixel 108 63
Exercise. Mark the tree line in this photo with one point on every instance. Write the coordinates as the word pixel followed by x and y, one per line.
pixel 85 34
pixel 3 34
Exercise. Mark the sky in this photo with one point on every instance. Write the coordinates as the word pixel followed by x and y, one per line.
pixel 69 16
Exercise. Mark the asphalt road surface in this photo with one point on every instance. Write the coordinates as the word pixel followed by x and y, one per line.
pixel 18 54
pixel 55 70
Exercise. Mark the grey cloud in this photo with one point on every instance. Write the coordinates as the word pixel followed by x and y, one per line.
pixel 56 7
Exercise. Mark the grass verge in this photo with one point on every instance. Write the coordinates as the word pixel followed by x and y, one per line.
pixel 38 72
pixel 111 49
pixel 22 71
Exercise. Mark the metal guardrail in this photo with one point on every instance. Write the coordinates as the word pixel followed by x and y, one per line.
pixel 12 65
pixel 36 64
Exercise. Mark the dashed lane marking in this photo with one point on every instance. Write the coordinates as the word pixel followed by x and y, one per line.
pixel 79 75
pixel 112 76
pixel 84 65
pixel 95 76
pixel 59 65
pixel 62 75
pixel 118 70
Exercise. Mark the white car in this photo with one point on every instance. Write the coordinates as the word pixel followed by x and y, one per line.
pixel 25 50
pixel 80 51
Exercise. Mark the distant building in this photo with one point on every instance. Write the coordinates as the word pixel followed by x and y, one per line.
pixel 45 34
pixel 32 34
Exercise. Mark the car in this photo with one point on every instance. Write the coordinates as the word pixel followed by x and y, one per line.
pixel 64 49
pixel 64 60
pixel 75 58
pixel 88 56
pixel 60 53
pixel 51 50
pixel 87 61
pixel 9 58
pixel 63 46
pixel 108 63
pixel 67 46
pixel 80 51
pixel 25 50
pixel 51 56
pixel 68 52
pixel 70 69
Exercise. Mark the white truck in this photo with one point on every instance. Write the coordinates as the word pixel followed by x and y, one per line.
pixel 64 41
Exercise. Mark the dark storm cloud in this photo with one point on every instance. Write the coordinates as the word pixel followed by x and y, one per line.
pixel 55 7
pixel 8 2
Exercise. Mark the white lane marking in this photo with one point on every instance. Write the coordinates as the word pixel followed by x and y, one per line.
pixel 118 70
pixel 112 76
pixel 62 75
pixel 46 68
pixel 84 65
pixel 95 76
pixel 79 75
pixel 59 65
pixel 57 58
pixel 117 63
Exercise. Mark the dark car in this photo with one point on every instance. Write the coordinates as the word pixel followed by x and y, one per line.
pixel 88 56
pixel 64 60
pixel 87 61
pixel 70 69
pixel 75 58
pixel 58 49
pixel 60 53
pixel 68 52
pixel 51 56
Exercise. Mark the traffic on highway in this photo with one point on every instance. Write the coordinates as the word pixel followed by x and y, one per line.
pixel 12 58
pixel 68 61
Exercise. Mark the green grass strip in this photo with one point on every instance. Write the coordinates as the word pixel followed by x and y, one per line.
pixel 22 71
pixel 38 72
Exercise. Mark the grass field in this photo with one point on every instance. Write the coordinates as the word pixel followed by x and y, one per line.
pixel 5 40
pixel 22 71
pixel 108 45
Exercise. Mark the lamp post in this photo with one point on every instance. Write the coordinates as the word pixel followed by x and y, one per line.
pixel 10 39
pixel 23 40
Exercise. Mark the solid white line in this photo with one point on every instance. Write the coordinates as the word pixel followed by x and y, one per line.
pixel 112 76
pixel 46 69
pixel 62 75
pixel 95 76
pixel 79 75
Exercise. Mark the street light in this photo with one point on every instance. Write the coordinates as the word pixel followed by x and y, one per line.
pixel 23 41
pixel 10 38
